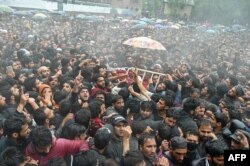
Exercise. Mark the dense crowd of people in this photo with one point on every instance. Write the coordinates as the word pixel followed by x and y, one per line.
pixel 72 94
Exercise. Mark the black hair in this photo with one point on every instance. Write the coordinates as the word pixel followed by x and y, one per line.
pixel 213 108
pixel 208 81
pixel 102 138
pixel 190 104
pixel 146 105
pixel 64 107
pixel 144 137
pixel 108 99
pixel 89 158
pixel 30 83
pixel 168 100
pixel 204 122
pixel 40 116
pixel 115 98
pixel 13 125
pixel 100 92
pixel 98 67
pixel 95 108
pixel 6 92
pixel 87 74
pixel 59 96
pixel 166 132
pixel 156 97
pixel 82 117
pixel 133 158
pixel 170 113
pixel 95 78
pixel 235 114
pixel 138 127
pixel 221 89
pixel 124 93
pixel 214 148
pixel 221 118
pixel 110 162
pixel 195 82
pixel 178 142
pixel 72 131
pixel 191 132
pixel 56 161
pixel 195 90
pixel 41 136
pixel 136 88
pixel 233 80
pixel 210 90
pixel 11 156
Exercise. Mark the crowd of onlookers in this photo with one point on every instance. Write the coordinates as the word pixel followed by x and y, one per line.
pixel 72 94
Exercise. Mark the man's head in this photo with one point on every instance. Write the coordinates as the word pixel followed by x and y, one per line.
pixel 231 81
pixel 178 149
pixel 240 140
pixel 118 103
pixel 119 123
pixel 145 109
pixel 192 138
pixel 12 156
pixel 41 138
pixel 16 128
pixel 170 118
pixel 100 95
pixel 161 86
pixel 147 145
pixel 99 81
pixel 44 72
pixel 189 105
pixel 32 84
pixel 164 103
pixel 205 129
pixel 134 158
pixel 97 108
pixel 67 87
pixel 215 153
pixel 43 116
pixel 102 138
pixel 84 94
pixel 236 91
pixel 199 111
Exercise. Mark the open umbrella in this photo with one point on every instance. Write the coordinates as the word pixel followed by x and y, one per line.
pixel 80 16
pixel 5 9
pixel 39 16
pixel 144 42
pixel 139 26
pixel 92 19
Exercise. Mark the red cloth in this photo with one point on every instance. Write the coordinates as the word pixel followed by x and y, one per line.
pixel 95 124
pixel 94 90
pixel 60 148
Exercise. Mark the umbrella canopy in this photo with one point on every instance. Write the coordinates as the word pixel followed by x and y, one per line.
pixel 80 16
pixel 147 20
pixel 144 42
pixel 92 19
pixel 5 9
pixel 139 26
pixel 39 16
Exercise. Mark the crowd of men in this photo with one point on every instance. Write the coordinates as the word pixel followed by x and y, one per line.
pixel 68 94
